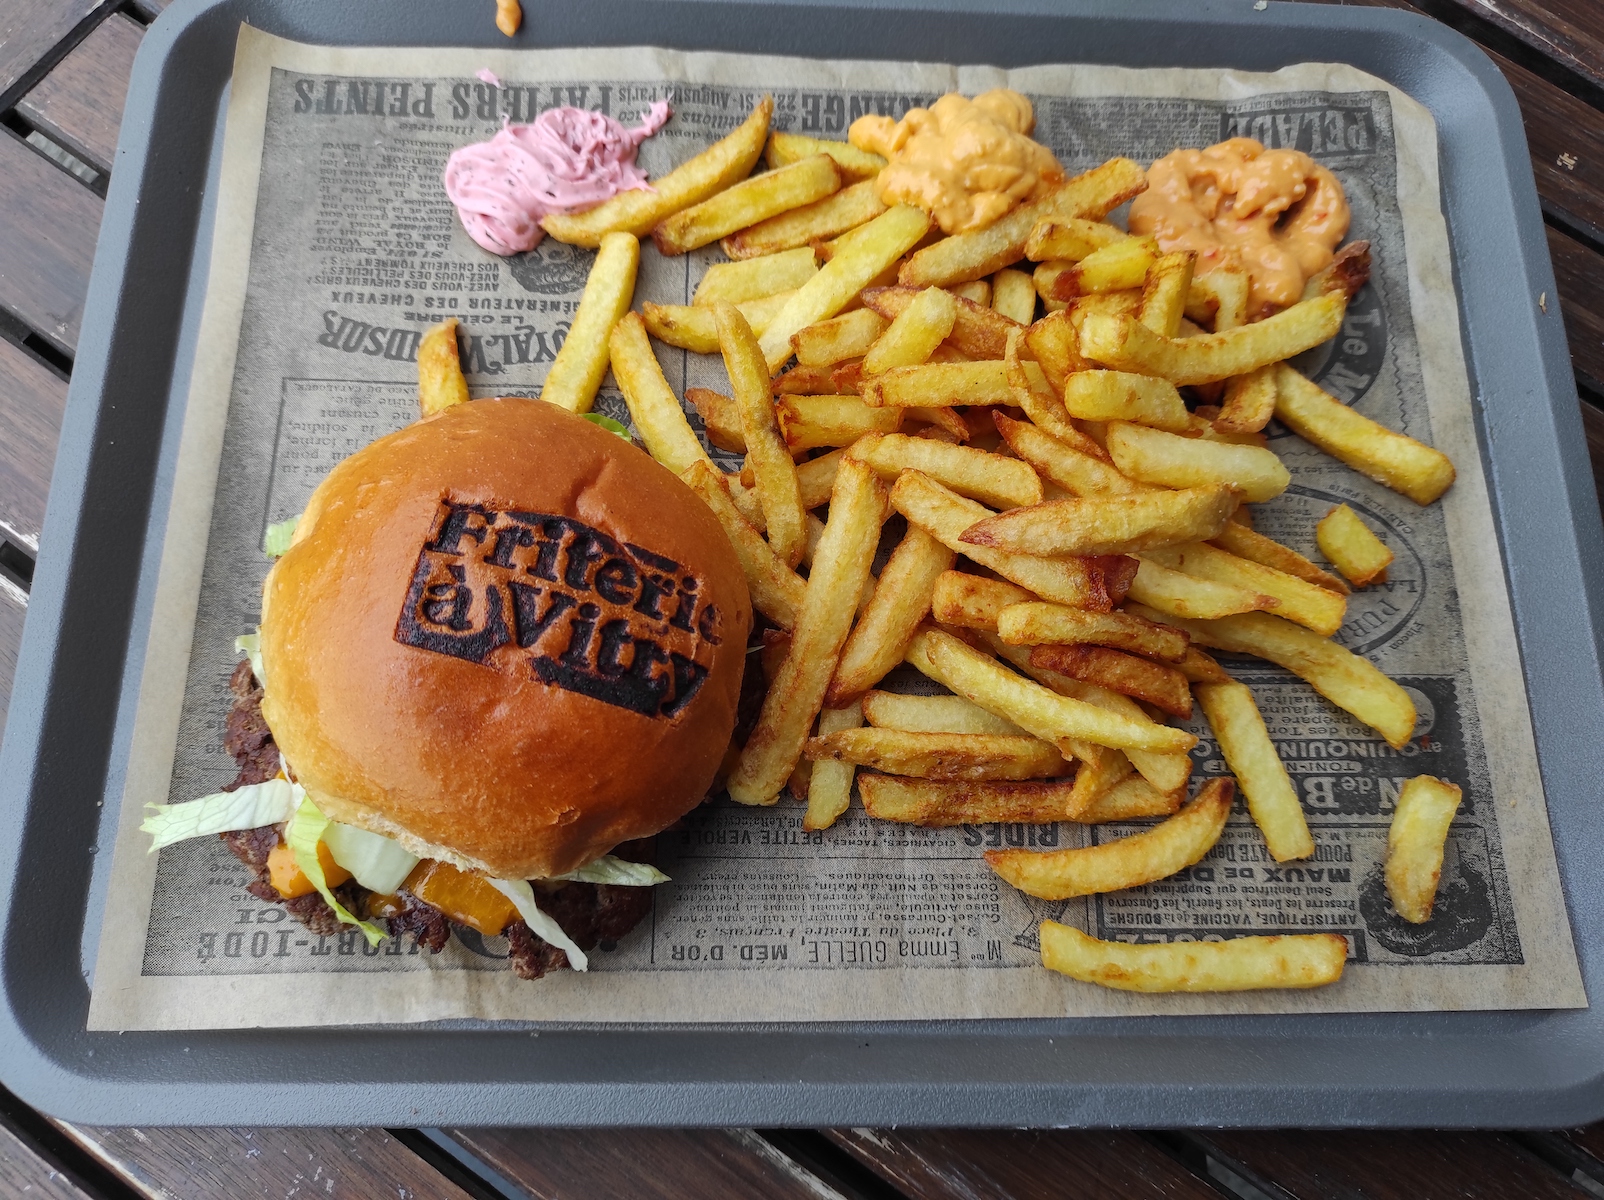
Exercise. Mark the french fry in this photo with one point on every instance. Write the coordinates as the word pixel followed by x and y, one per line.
pixel 976 254
pixel 1178 594
pixel 874 247
pixel 958 756
pixel 1054 281
pixel 1392 459
pixel 1034 708
pixel 914 335
pixel 826 218
pixel 691 327
pixel 888 622
pixel 1013 294
pixel 1143 522
pixel 944 514
pixel 1243 542
pixel 817 476
pixel 943 384
pixel 1071 239
pixel 1036 623
pixel 1415 840
pixel 1127 345
pixel 988 478
pixel 1304 960
pixel 1099 774
pixel 976 291
pixel 746 203
pixel 933 714
pixel 840 570
pixel 581 363
pixel 1342 677
pixel 973 602
pixel 1153 456
pixel 1310 606
pixel 942 424
pixel 755 278
pixel 939 803
pixel 441 383
pixel 1161 686
pixel 1120 396
pixel 809 422
pixel 1114 268
pixel 1350 546
pixel 653 407
pixel 775 474
pixel 1249 402
pixel 1082 472
pixel 830 785
pixel 719 166
pixel 854 164
pixel 1164 293
pixel 1131 799
pixel 1252 758
pixel 829 342
pixel 1054 343
pixel 1129 862
pixel 746 502
pixel 977 331
pixel 1219 299
pixel 1200 668
pixel 777 590
pixel 509 15
pixel 1346 273
pixel 720 417
pixel 805 381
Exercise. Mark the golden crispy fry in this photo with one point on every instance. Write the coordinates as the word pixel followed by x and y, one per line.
pixel 1178 594
pixel 1129 862
pixel 1128 345
pixel 714 169
pixel 840 570
pixel 746 502
pixel 1054 281
pixel 1054 343
pixel 959 756
pixel 1200 668
pixel 1120 396
pixel 805 381
pixel 653 407
pixel 1313 607
pixel 1242 541
pixel 756 278
pixel 774 472
pixel 940 803
pixel 1352 548
pixel 1219 299
pixel 817 476
pixel 1164 293
pixel 1249 402
pixel 988 478
pixel 746 203
pixel 826 218
pixel 915 334
pixel 973 602
pixel 942 424
pixel 901 601
pixel 1163 687
pixel 976 291
pixel 854 164
pixel 1002 243
pixel 944 514
pixel 977 331
pixel 1099 773
pixel 1306 960
pixel 1071 239
pixel 873 248
pixel 691 327
pixel 509 16
pixel 1346 273
pixel 720 417
pixel 1035 709
pixel 1082 472
pixel 1114 268
pixel 933 714
pixel 848 336
pixel 1129 800
pixel 1342 677
pixel 1415 840
pixel 582 361
pixel 1393 459
pixel 776 589
pixel 1154 456
pixel 1245 743
pixel 1035 623
pixel 1128 524
pixel 808 422
pixel 934 384
pixel 441 383
pixel 1013 294
pixel 830 785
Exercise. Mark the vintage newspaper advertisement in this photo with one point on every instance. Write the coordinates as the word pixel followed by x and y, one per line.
pixel 335 248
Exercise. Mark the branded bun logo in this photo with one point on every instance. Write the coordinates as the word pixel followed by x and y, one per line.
pixel 586 613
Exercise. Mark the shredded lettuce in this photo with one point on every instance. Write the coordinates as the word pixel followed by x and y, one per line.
pixel 249 807
pixel 250 645
pixel 542 926
pixel 307 828
pixel 379 864
pixel 617 871
pixel 607 423
pixel 278 537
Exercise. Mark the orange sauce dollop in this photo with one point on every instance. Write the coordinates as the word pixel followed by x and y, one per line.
pixel 1276 214
pixel 965 162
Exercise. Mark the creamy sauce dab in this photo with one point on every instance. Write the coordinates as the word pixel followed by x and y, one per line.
pixel 1276 214
pixel 965 162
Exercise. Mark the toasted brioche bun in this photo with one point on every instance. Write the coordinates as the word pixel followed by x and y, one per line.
pixel 506 638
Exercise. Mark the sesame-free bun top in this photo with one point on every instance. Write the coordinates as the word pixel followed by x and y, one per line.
pixel 506 638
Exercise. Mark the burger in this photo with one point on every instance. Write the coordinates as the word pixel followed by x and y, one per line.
pixel 501 650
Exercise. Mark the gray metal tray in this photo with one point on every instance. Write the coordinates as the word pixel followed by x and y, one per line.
pixel 91 604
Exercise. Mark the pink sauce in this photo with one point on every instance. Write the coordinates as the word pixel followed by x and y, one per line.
pixel 566 160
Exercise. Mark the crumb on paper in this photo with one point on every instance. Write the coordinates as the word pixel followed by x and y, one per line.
pixel 1568 161
pixel 1261 5
pixel 1542 301
pixel 486 75
pixel 508 16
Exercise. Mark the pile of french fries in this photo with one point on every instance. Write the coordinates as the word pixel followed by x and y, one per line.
pixel 1078 533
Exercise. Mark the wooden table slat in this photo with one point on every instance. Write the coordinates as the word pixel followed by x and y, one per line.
pixel 13 608
pixel 26 1172
pixel 80 103
pixel 1579 272
pixel 47 242
pixel 960 1164
pixel 32 397
pixel 643 1164
pixel 150 9
pixel 206 1164
pixel 31 29
pixel 1569 32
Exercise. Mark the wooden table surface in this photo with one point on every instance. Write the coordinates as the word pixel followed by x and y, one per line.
pixel 64 66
